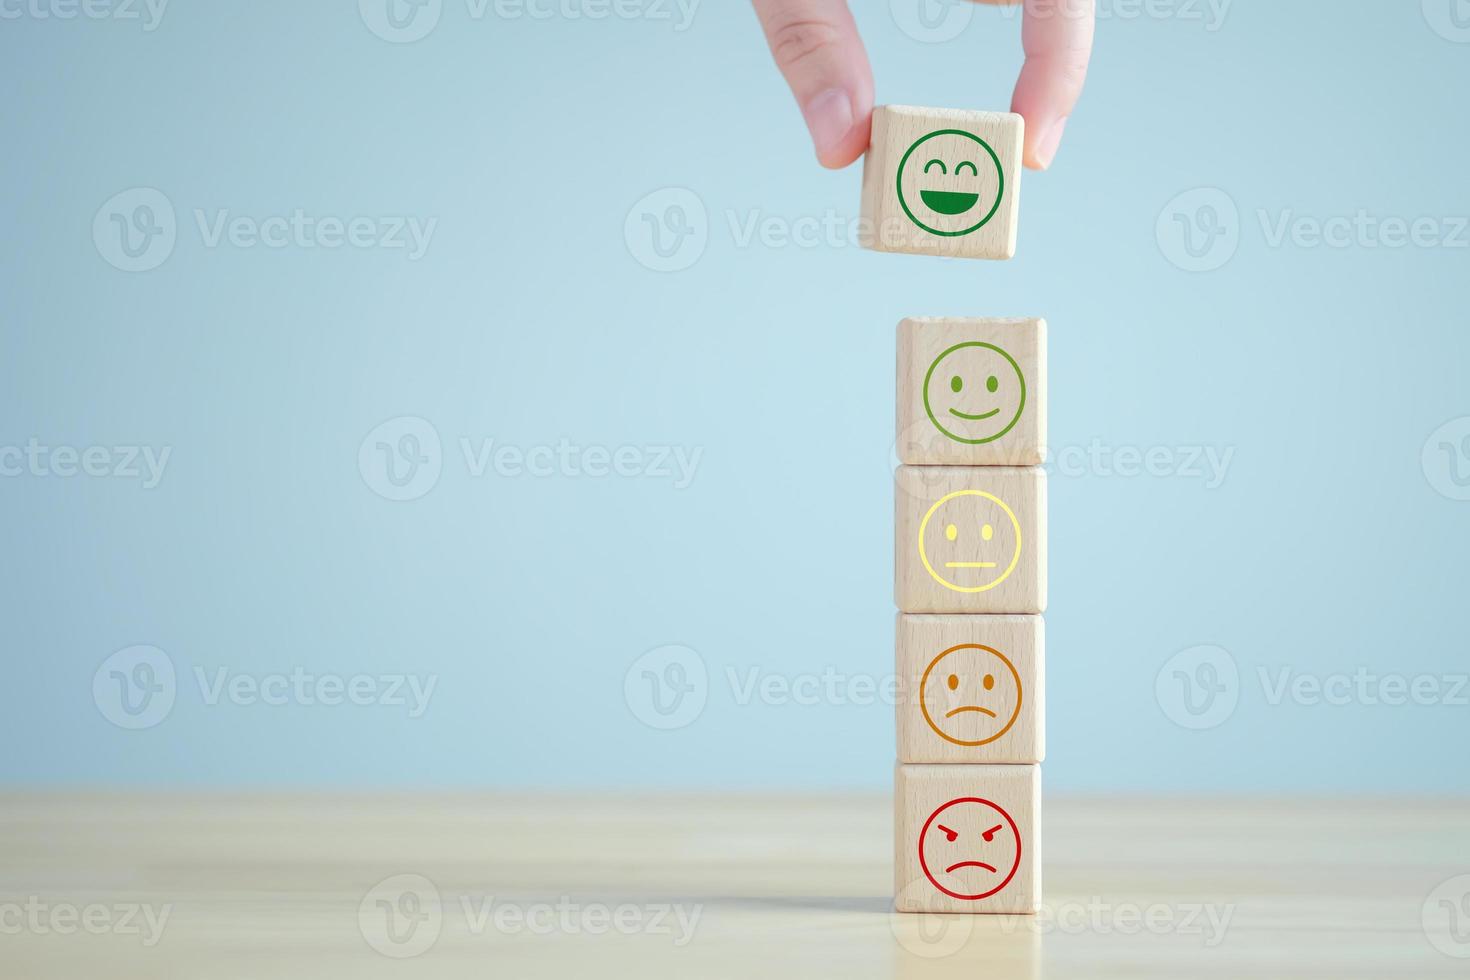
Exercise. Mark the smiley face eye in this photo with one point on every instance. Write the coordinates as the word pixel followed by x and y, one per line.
pixel 950 835
pixel 956 383
pixel 989 835
pixel 973 171
pixel 992 383
pixel 940 164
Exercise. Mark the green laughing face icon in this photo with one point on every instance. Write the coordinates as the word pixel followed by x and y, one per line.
pixel 950 182
pixel 974 392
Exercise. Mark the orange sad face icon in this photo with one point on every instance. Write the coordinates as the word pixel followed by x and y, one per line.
pixel 970 694
pixel 970 848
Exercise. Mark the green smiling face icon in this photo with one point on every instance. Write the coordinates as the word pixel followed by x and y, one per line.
pixel 950 182
pixel 974 392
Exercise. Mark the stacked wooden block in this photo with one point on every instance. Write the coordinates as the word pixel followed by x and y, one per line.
pixel 970 528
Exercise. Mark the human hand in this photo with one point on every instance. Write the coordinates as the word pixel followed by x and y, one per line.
pixel 817 48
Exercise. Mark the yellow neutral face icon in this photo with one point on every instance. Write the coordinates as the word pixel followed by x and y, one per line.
pixel 970 541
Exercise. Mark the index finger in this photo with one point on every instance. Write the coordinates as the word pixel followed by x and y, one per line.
pixel 1057 37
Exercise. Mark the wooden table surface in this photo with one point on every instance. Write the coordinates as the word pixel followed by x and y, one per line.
pixel 692 887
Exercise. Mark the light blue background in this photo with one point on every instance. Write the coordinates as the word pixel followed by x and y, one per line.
pixel 529 321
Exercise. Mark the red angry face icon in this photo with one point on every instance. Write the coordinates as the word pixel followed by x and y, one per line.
pixel 970 848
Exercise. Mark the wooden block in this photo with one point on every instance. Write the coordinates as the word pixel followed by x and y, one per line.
pixel 942 182
pixel 969 539
pixel 971 689
pixel 972 392
pixel 967 839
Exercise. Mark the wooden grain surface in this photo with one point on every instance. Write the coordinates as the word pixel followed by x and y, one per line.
pixel 572 886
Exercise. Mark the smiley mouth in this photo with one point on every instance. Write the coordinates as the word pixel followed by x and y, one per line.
pixel 969 707
pixel 973 418
pixel 969 564
pixel 969 864
pixel 949 202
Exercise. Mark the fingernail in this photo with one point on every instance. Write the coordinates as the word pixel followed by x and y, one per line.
pixel 829 117
pixel 1048 141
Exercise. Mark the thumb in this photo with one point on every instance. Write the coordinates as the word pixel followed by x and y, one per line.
pixel 817 48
